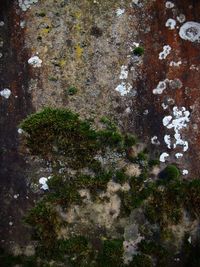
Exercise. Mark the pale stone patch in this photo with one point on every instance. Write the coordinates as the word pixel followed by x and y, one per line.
pixel 133 170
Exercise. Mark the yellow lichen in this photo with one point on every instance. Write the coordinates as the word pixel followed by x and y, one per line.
pixel 78 51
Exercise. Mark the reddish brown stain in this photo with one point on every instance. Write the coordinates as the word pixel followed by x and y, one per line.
pixel 155 70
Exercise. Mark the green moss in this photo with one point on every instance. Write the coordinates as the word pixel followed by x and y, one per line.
pixel 141 260
pixel 44 221
pixel 111 254
pixel 71 90
pixel 76 249
pixel 153 162
pixel 41 14
pixel 165 204
pixel 129 140
pixel 192 197
pixel 171 172
pixel 54 132
pixel 138 51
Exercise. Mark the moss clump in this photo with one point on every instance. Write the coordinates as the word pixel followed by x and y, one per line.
pixel 71 90
pixel 111 254
pixel 45 223
pixel 76 249
pixel 165 204
pixel 138 51
pixel 59 132
pixel 192 197
pixel 141 260
pixel 171 172
pixel 8 260
pixel 54 132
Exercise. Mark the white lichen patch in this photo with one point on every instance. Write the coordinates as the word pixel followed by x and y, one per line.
pixel 26 4
pixel 43 182
pixel 154 141
pixel 136 2
pixel 16 196
pixel 124 72
pixel 185 172
pixel 120 11
pixel 166 51
pixel 190 31
pixel 35 61
pixel 5 93
pixel 175 64
pixel 179 155
pixel 167 140
pixel 163 156
pixel 2 23
pixel 181 18
pixel 20 131
pixel 177 122
pixel 193 67
pixel 160 88
pixel 171 24
pixel 169 4
pixel 164 106
pixel 123 88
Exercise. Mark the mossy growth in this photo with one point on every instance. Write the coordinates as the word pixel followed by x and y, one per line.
pixel 51 133
pixel 141 260
pixel 171 172
pixel 192 197
pixel 64 192
pixel 9 260
pixel 138 51
pixel 165 204
pixel 111 254
pixel 54 132
pixel 72 90
pixel 44 219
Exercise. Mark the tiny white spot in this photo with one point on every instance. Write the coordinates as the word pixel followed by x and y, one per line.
pixel 5 93
pixel 164 106
pixel 185 172
pixel 179 155
pixel 175 64
pixel 166 51
pixel 123 88
pixel 169 4
pixel 154 140
pixel 181 18
pixel 171 24
pixel 120 11
pixel 35 61
pixel 43 182
pixel 124 73
pixel 167 140
pixel 163 156
pixel 20 131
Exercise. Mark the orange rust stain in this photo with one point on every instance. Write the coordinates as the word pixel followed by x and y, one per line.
pixel 155 70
